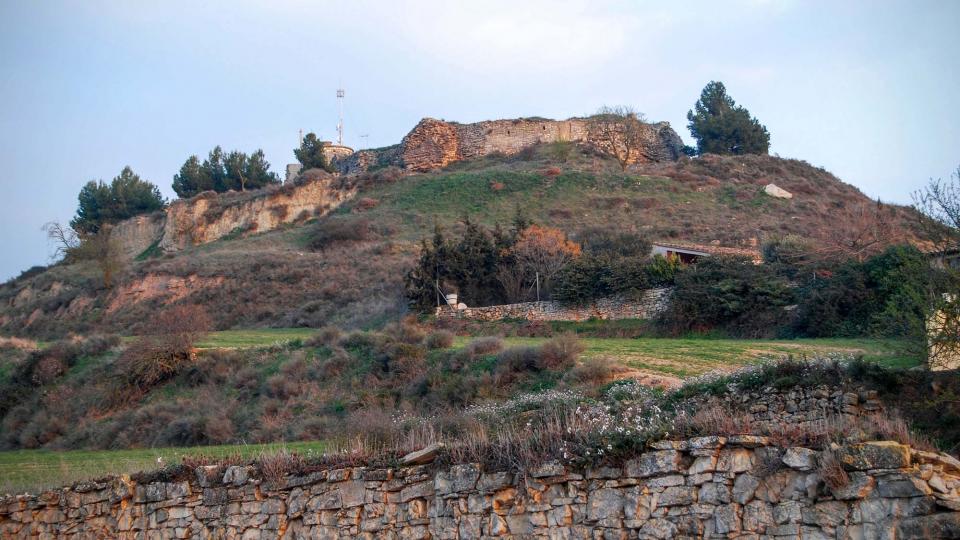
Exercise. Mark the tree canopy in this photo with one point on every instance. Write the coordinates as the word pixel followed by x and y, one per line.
pixel 127 195
pixel 223 172
pixel 720 126
pixel 311 155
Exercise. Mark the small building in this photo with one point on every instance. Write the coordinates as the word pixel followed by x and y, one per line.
pixel 690 253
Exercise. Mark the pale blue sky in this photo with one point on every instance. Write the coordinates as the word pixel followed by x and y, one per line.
pixel 866 89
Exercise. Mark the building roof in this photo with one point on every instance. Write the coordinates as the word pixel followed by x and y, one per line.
pixel 711 249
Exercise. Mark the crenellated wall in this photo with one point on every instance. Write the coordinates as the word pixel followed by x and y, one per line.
pixel 706 487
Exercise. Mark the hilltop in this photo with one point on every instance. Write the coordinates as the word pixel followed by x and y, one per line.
pixel 334 250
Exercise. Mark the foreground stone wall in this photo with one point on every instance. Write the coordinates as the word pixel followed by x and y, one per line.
pixel 653 302
pixel 707 487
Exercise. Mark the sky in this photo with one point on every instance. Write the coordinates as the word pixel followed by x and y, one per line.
pixel 865 89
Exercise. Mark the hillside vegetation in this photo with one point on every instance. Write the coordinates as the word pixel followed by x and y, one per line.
pixel 348 267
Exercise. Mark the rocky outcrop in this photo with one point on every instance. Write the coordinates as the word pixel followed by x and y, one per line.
pixel 434 144
pixel 209 217
pixel 649 305
pixel 705 487
pixel 137 234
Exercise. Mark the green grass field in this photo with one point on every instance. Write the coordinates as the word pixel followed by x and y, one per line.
pixel 688 357
pixel 35 470
pixel 681 357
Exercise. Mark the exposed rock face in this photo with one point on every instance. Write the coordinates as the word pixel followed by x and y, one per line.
pixel 209 217
pixel 137 234
pixel 433 144
pixel 170 288
pixel 706 487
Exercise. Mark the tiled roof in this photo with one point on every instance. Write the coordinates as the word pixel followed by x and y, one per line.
pixel 751 253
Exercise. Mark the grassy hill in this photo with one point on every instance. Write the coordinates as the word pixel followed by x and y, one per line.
pixel 347 269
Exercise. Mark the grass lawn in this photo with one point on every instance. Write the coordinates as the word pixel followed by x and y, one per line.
pixel 35 470
pixel 688 357
pixel 257 337
pixel 682 357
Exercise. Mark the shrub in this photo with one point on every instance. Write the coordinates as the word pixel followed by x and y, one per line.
pixel 728 293
pixel 165 349
pixel 337 230
pixel 326 336
pixel 484 345
pixel 439 339
pixel 560 353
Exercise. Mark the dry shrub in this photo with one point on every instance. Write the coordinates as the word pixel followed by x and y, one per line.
pixel 439 339
pixel 277 465
pixel 326 336
pixel 831 470
pixel 715 420
pixel 485 345
pixel 366 203
pixel 339 230
pixel 405 332
pixel 165 349
pixel 594 372
pixel 560 353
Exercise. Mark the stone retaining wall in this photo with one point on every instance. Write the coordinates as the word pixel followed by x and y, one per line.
pixel 707 487
pixel 770 409
pixel 653 302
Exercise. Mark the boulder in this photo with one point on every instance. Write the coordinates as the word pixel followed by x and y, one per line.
pixel 774 190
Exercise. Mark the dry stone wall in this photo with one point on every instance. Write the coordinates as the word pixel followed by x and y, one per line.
pixel 653 302
pixel 706 487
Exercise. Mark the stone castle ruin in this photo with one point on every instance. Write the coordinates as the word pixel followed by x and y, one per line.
pixel 434 144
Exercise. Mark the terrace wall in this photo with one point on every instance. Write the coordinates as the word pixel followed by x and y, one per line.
pixel 649 305
pixel 716 487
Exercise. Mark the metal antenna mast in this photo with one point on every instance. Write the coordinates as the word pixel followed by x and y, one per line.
pixel 340 123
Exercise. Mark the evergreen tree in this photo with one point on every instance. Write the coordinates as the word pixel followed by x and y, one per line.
pixel 191 179
pixel 234 171
pixel 311 155
pixel 720 126
pixel 126 196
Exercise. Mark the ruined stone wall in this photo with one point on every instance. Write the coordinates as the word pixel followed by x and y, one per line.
pixel 433 144
pixel 706 487
pixel 653 302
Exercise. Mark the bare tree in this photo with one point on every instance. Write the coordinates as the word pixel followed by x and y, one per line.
pixel 938 213
pixel 512 278
pixel 543 251
pixel 64 239
pixel 619 131
pixel 104 250
pixel 867 233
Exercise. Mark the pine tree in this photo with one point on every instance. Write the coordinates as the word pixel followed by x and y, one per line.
pixel 720 126
pixel 311 155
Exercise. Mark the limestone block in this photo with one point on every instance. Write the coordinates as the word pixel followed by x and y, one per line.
pixel 774 190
